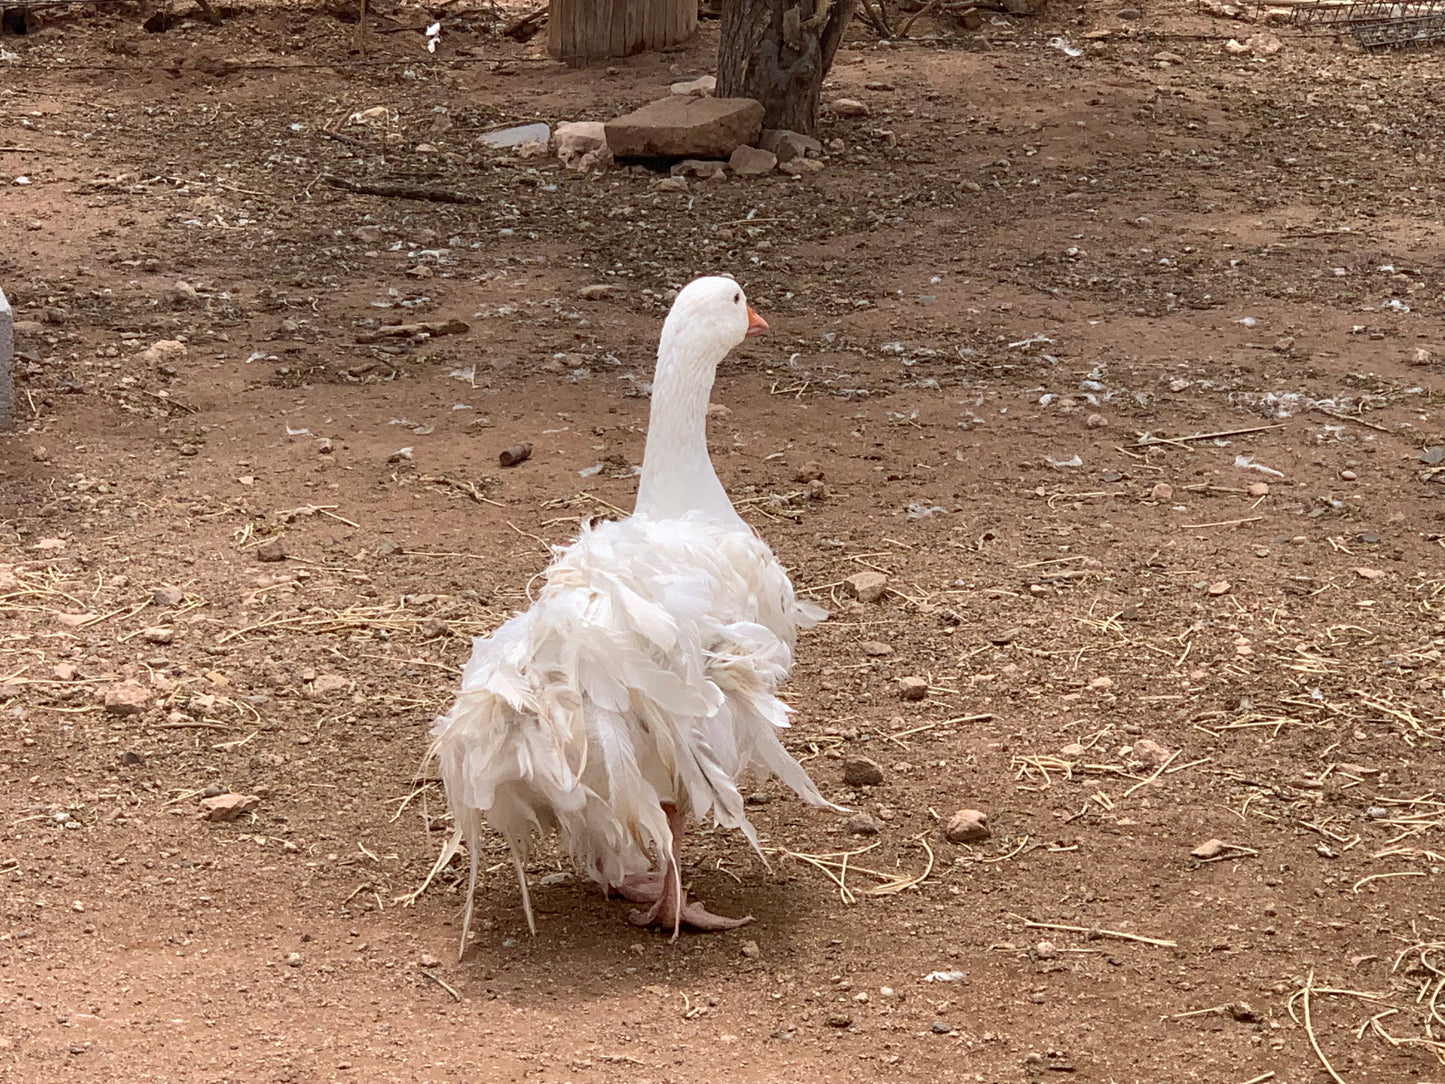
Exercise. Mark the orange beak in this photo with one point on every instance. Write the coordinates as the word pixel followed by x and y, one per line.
pixel 756 324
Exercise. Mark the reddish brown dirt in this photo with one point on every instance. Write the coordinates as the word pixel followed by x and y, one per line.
pixel 1020 258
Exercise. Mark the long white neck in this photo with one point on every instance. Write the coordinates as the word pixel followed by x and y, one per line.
pixel 677 474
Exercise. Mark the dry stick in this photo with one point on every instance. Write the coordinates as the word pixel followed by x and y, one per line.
pixel 1310 1031
pixel 455 996
pixel 1267 1075
pixel 1382 876
pixel 1352 418
pixel 1220 523
pixel 400 191
pixel 1157 773
pixel 1099 931
pixel 1149 440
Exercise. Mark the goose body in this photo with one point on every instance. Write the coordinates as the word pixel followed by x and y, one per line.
pixel 642 682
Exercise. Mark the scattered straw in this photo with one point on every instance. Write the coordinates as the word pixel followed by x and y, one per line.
pixel 1097 931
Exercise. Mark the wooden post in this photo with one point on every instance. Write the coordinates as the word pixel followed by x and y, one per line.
pixel 585 31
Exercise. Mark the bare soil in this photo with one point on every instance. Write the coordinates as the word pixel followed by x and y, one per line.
pixel 1020 272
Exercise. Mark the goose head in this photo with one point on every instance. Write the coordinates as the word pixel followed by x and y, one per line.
pixel 710 316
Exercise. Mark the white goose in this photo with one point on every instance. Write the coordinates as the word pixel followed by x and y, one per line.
pixel 643 681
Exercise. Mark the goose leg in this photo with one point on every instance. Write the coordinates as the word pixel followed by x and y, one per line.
pixel 639 887
pixel 671 908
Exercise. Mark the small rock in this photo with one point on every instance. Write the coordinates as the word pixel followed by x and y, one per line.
pixel 575 141
pixel 1263 44
pixel 750 950
pixel 1162 492
pixel 1348 476
pixel 1046 950
pixel 167 595
pixel 1422 356
pixel 271 551
pixel 810 471
pixel 1097 421
pixel 126 699
pixel 389 547
pixel 716 411
pixel 166 351
pixel 912 688
pixel 967 826
pixel 1073 751
pixel 748 161
pixel 323 446
pixel 1129 14
pixel 227 807
pixel 671 184
pixel 1242 1011
pixel 938 1027
pixel 876 649
pixel 158 634
pixel 1220 587
pixel 1151 752
pixel 1236 48
pixel 1259 489
pixel 64 672
pixel 517 453
pixel 861 772
pixel 326 684
pixel 866 586
pixel 1210 848
pixel 701 87
pixel 293 959
pixel 367 235
pixel 849 107
pixel 789 145
pixel 1369 573
pixel 1101 683
pixel 189 449
pixel 1006 636
pixel 597 290
pixel 426 959
pixel 863 824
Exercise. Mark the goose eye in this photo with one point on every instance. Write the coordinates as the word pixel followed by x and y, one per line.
pixel 737 298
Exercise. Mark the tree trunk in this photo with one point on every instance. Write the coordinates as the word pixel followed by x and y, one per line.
pixel 777 52
pixel 584 31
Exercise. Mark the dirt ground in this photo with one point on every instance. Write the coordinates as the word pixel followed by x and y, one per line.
pixel 1016 277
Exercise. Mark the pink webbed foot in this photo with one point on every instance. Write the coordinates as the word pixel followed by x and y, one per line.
pixel 693 915
pixel 639 887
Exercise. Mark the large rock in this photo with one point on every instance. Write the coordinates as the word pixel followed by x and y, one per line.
pixel 789 145
pixel 686 127
pixel 748 161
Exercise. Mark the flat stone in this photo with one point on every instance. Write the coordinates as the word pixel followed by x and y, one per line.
pixel 271 551
pixel 866 586
pixel 686 127
pixel 863 824
pixel 1210 848
pixel 326 684
pixel 517 136
pixel 127 698
pixel 227 807
pixel 167 595
pixel 912 688
pixel 158 634
pixel 862 772
pixel 875 649
pixel 7 357
pixel 748 161
pixel 849 107
pixel 1151 753
pixel 967 826
pixel 701 87
pixel 163 351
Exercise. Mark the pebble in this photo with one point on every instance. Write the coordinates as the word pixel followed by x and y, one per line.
pixel 862 772
pixel 1162 491
pixel 158 634
pixel 126 699
pixel 1005 636
pixel 1073 751
pixel 938 1027
pixel 1220 587
pixel 912 688
pixel 1348 476
pixel 875 649
pixel 839 1020
pixel 750 950
pixel 1097 421
pixel 517 453
pixel 866 586
pixel 227 807
pixel 748 161
pixel 367 235
pixel 271 551
pixel 293 959
pixel 1259 489
pixel 163 350
pixel 1046 950
pixel 704 168
pixel 1369 573
pixel 863 824
pixel 1422 356
pixel 64 672
pixel 597 290
pixel 1151 752
pixel 1210 848
pixel 967 826
pixel 1128 13
pixel 1242 1011
pixel 849 107
pixel 426 959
